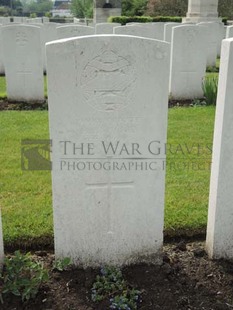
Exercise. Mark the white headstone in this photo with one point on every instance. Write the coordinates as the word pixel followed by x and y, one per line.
pixel 1 243
pixel 77 21
pixel 43 36
pixel 18 19
pixel 49 33
pixel 222 36
pixel 188 63
pixel 229 32
pixel 74 31
pixel 167 35
pixel 105 28
pixel 2 71
pixel 136 30
pixel 212 39
pixel 101 91
pixel 36 20
pixel 156 28
pixel 219 240
pixel 23 63
pixel 45 19
pixel 5 20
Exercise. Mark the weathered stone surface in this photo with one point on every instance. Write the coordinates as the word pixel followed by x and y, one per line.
pixel 143 30
pixel 76 30
pixel 188 62
pixel 202 11
pixel 23 63
pixel 212 39
pixel 105 28
pixel 101 91
pixel 167 36
pixel 219 240
pixel 229 32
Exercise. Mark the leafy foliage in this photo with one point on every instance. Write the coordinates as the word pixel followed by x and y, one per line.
pixel 82 8
pixel 39 7
pixel 134 7
pixel 210 89
pixel 22 276
pixel 167 7
pixel 61 264
pixel 110 284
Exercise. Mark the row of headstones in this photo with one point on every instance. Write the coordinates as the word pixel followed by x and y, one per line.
pixel 22 19
pixel 193 47
pixel 117 92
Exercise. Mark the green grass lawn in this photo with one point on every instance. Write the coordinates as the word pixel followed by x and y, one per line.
pixel 2 87
pixel 25 196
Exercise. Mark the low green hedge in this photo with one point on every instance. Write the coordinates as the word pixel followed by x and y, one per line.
pixel 123 20
pixel 61 20
pixel 143 19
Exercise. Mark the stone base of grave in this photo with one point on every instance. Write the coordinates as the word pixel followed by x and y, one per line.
pixel 198 19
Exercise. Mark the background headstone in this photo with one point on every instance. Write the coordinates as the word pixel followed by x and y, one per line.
pixel 167 35
pixel 101 89
pixel 74 31
pixel 5 20
pixel 157 29
pixel 222 36
pixel 18 19
pixel 219 240
pixel 48 33
pixel 137 30
pixel 105 28
pixel 212 40
pixel 45 19
pixel 23 63
pixel 188 63
pixel 229 32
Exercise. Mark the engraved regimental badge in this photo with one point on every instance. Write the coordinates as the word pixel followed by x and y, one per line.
pixel 107 81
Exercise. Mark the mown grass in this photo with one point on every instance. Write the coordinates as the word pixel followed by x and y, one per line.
pixel 2 87
pixel 188 168
pixel 25 196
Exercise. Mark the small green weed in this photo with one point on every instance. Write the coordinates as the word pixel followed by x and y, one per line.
pixel 212 69
pixel 210 89
pixel 111 285
pixel 61 264
pixel 22 276
pixel 198 102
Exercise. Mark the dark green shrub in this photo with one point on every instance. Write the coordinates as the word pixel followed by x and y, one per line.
pixel 123 20
pixel 143 19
